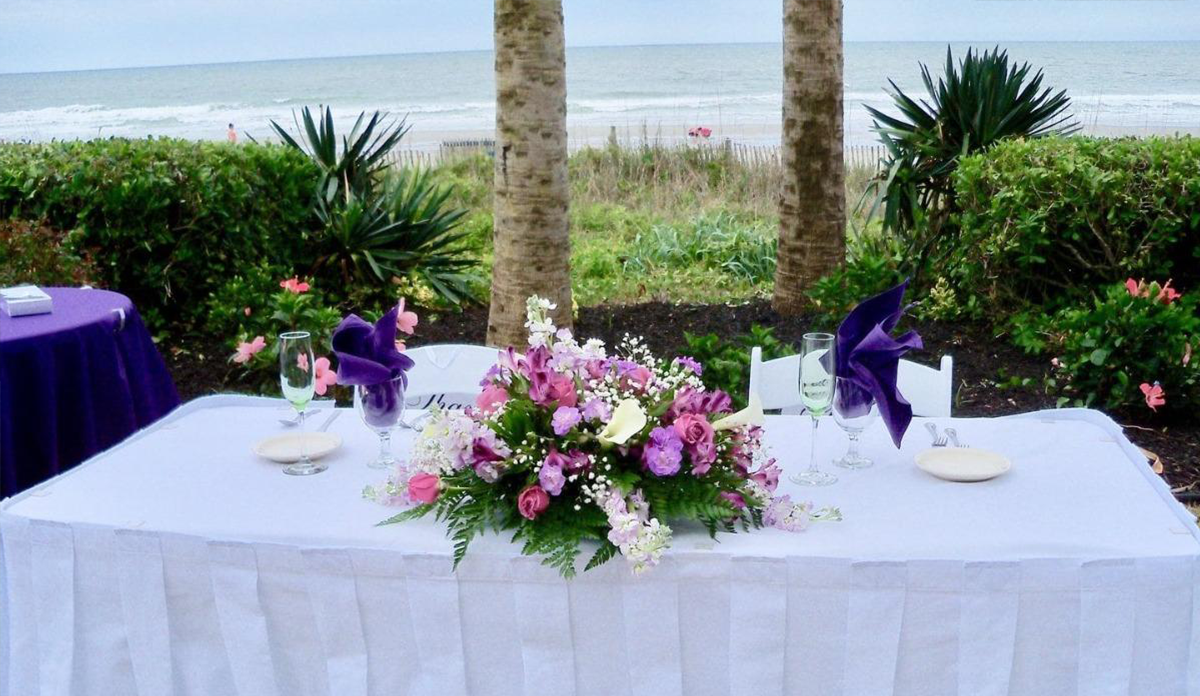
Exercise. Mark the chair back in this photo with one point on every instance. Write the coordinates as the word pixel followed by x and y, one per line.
pixel 447 375
pixel 777 383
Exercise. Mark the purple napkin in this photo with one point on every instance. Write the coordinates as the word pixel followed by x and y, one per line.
pixel 367 354
pixel 868 358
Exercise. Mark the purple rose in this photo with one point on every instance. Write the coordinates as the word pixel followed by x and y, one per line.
pixel 551 478
pixel 663 453
pixel 565 418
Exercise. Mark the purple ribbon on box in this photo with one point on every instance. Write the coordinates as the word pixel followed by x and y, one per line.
pixel 367 354
pixel 868 360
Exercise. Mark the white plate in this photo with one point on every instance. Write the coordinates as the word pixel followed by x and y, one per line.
pixel 963 464
pixel 285 448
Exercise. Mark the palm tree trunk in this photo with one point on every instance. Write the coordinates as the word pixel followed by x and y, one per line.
pixel 532 242
pixel 812 201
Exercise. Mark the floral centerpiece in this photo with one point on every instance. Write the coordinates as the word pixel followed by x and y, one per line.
pixel 569 445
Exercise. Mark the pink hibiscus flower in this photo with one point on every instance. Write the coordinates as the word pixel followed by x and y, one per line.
pixel 1168 294
pixel 405 321
pixel 294 285
pixel 247 350
pixel 302 362
pixel 325 377
pixel 1155 396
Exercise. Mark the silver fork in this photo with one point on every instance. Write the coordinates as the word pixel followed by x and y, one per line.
pixel 938 439
pixel 953 435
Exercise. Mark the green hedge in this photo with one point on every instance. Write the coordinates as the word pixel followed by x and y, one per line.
pixel 165 221
pixel 1058 216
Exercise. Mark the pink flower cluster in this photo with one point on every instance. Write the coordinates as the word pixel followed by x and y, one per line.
pixel 1166 294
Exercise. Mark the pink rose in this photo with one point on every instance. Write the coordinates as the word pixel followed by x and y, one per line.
pixel 424 488
pixel 734 499
pixel 532 502
pixel 693 429
pixel 491 398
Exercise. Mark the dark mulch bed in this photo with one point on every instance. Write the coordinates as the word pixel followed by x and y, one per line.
pixel 981 362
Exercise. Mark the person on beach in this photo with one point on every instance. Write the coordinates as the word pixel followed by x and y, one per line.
pixel 231 135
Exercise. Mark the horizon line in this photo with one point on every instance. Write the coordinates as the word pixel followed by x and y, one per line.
pixel 157 66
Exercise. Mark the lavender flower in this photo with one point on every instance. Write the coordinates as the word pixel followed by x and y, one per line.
pixel 596 409
pixel 551 477
pixel 664 452
pixel 691 364
pixel 565 418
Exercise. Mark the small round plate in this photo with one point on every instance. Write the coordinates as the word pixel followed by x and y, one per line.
pixel 285 448
pixel 963 464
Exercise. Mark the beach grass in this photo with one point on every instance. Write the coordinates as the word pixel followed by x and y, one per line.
pixel 656 223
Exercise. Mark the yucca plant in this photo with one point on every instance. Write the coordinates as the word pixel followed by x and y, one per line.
pixel 978 102
pixel 352 169
pixel 380 223
pixel 403 230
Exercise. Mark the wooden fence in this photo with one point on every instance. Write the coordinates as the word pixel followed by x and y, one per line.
pixel 857 156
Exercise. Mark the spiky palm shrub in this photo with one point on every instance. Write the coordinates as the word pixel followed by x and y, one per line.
pixel 976 103
pixel 378 223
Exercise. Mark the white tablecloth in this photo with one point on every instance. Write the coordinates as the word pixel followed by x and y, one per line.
pixel 177 563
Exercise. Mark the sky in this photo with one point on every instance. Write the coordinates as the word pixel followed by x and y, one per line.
pixel 44 35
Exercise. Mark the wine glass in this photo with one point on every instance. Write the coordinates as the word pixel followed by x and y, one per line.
pixel 817 368
pixel 297 376
pixel 854 409
pixel 380 407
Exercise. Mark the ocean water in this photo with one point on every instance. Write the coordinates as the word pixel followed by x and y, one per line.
pixel 642 91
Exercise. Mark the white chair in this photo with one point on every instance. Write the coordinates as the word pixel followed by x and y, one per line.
pixel 447 375
pixel 777 383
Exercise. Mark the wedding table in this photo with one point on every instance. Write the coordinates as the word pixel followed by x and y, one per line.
pixel 74 382
pixel 177 563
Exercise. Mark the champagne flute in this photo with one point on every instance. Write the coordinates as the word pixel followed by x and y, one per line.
pixel 297 376
pixel 817 369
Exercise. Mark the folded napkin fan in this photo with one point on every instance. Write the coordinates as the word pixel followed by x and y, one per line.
pixel 367 354
pixel 869 359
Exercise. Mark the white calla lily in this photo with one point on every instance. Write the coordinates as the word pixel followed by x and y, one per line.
pixel 751 415
pixel 628 419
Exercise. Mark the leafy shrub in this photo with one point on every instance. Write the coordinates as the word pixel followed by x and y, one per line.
pixel 874 263
pixel 726 360
pixel 1104 352
pixel 268 314
pixel 718 242
pixel 1052 218
pixel 974 105
pixel 165 220
pixel 38 254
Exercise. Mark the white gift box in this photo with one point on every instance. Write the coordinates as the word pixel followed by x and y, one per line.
pixel 24 300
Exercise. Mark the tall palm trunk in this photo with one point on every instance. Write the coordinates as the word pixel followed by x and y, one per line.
pixel 532 243
pixel 812 201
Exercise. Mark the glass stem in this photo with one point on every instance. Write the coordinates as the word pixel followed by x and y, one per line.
pixel 852 453
pixel 303 440
pixel 812 457
pixel 385 446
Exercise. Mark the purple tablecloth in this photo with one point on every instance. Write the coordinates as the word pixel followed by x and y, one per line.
pixel 73 383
